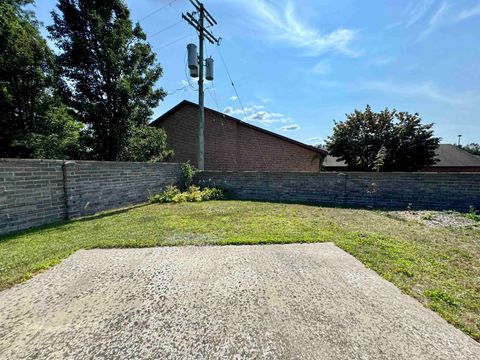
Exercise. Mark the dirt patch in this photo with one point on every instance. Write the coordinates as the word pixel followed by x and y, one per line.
pixel 435 218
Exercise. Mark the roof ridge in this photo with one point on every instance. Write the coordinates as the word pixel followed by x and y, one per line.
pixel 265 131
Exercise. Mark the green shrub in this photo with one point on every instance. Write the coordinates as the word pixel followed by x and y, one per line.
pixel 180 198
pixel 188 173
pixel 193 194
pixel 214 194
pixel 167 196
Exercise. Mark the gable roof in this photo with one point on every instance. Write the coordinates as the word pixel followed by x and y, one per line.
pixel 238 121
pixel 451 155
pixel 446 154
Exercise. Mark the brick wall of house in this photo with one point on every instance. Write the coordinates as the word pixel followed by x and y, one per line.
pixel 38 192
pixel 231 146
pixel 441 191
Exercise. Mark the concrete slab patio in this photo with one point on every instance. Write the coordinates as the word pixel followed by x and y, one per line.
pixel 310 301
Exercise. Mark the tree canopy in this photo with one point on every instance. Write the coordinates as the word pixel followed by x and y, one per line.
pixel 472 148
pixel 27 95
pixel 383 141
pixel 108 74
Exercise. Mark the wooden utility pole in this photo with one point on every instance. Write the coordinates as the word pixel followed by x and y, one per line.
pixel 198 24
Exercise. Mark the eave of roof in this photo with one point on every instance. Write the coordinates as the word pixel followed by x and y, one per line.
pixel 238 121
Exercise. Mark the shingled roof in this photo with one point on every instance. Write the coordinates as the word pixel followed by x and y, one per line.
pixel 446 154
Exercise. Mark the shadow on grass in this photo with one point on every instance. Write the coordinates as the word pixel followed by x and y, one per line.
pixel 63 223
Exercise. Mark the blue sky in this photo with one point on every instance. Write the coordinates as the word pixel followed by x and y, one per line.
pixel 298 65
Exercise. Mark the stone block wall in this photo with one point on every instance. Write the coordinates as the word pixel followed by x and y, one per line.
pixel 38 192
pixel 31 193
pixel 395 190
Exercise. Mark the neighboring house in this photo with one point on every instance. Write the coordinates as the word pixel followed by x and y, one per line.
pixel 450 159
pixel 234 145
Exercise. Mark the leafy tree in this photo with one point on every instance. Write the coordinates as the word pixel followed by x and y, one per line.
pixel 34 123
pixel 473 148
pixel 60 139
pixel 108 74
pixel 25 77
pixel 146 144
pixel 386 141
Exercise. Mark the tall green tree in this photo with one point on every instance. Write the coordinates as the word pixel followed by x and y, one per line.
pixel 25 65
pixel 383 141
pixel 108 72
pixel 33 120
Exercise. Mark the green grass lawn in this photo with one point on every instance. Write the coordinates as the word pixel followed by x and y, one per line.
pixel 438 266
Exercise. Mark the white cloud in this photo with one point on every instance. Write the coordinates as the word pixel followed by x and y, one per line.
pixel 322 68
pixel 283 25
pixel 292 127
pixel 416 10
pixel 435 20
pixel 242 111
pixel 468 13
pixel 257 114
pixel 264 117
pixel 233 98
pixel 315 140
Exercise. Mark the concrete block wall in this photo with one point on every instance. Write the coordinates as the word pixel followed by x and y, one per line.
pixel 31 193
pixel 94 186
pixel 39 192
pixel 436 191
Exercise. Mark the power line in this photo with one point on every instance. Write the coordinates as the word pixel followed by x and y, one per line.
pixel 165 28
pixel 176 90
pixel 233 84
pixel 173 42
pixel 253 142
pixel 213 95
pixel 156 11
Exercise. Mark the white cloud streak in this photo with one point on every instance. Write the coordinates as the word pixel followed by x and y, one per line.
pixel 284 25
pixel 468 13
pixel 435 20
pixel 416 10
pixel 292 127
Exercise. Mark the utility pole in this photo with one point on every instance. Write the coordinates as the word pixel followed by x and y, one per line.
pixel 203 33
pixel 459 136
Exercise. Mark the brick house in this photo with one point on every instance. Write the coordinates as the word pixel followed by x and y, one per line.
pixel 234 145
